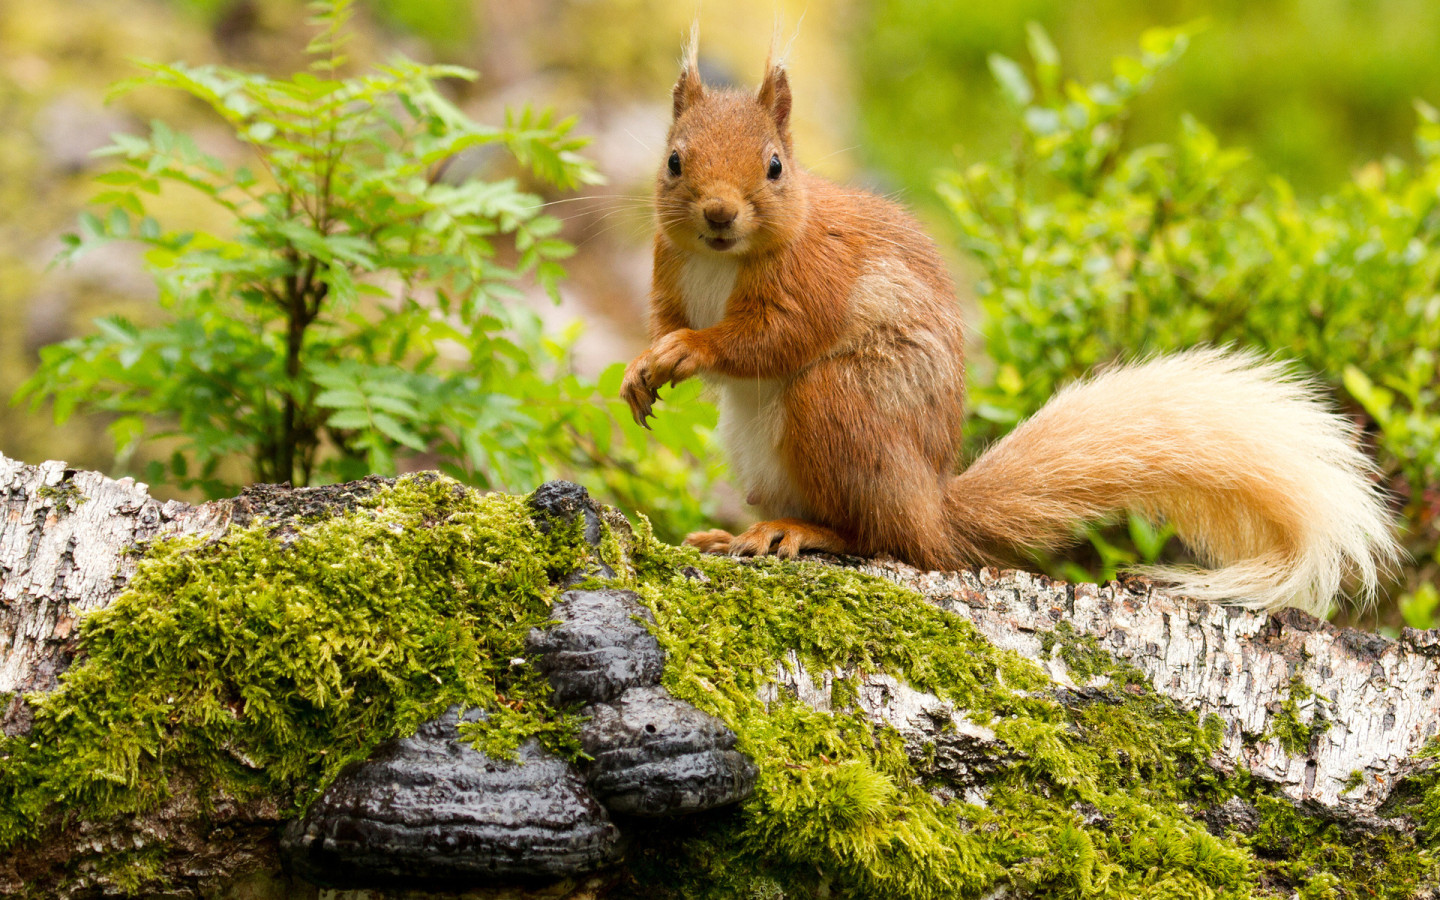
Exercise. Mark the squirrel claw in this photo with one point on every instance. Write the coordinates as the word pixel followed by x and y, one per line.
pixel 670 361
pixel 641 410
pixel 637 392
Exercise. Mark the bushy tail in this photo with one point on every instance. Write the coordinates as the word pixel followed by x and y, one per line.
pixel 1258 478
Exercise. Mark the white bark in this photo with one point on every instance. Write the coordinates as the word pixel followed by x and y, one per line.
pixel 64 537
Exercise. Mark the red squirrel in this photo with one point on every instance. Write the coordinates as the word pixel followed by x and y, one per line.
pixel 825 319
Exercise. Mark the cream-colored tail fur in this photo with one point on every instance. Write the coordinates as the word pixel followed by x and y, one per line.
pixel 1258 478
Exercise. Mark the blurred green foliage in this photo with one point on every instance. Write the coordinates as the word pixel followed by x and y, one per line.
pixel 447 26
pixel 1093 251
pixel 1313 87
pixel 363 310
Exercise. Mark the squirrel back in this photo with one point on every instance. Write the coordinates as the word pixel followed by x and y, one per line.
pixel 826 321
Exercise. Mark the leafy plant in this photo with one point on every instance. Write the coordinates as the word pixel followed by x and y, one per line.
pixel 1093 251
pixel 357 309
pixel 1313 89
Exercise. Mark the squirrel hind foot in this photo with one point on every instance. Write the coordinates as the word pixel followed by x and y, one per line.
pixel 784 538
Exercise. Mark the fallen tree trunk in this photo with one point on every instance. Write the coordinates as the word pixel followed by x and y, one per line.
pixel 1332 717
pixel 1290 721
pixel 67 547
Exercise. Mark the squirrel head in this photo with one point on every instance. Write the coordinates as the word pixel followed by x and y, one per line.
pixel 728 184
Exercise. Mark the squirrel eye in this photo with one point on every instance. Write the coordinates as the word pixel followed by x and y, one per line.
pixel 774 171
pixel 674 162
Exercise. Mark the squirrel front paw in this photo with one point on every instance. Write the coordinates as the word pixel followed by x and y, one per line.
pixel 674 358
pixel 635 389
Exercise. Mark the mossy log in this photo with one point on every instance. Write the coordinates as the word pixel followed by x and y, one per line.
pixel 975 733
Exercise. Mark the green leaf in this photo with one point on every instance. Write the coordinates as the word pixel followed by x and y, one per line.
pixel 341 398
pixel 91 226
pixel 1418 608
pixel 1047 58
pixel 1011 78
pixel 397 432
pixel 610 380
pixel 1163 43
pixel 260 132
pixel 394 405
pixel 1149 540
pixel 349 419
pixel 1376 400
pixel 127 432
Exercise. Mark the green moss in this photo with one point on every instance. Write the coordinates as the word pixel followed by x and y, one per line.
pixel 1296 737
pixel 263 667
pixel 1086 659
pixel 1318 859
pixel 1419 796
pixel 611 551
pixel 65 497
pixel 133 872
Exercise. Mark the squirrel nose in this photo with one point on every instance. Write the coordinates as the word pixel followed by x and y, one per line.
pixel 719 213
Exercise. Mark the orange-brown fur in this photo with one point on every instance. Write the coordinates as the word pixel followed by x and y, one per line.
pixel 841 307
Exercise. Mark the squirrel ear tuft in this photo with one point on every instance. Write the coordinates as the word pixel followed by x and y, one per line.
pixel 687 90
pixel 775 96
pixel 689 87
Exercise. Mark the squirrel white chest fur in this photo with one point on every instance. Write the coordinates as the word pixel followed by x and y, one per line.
pixel 706 283
pixel 752 410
